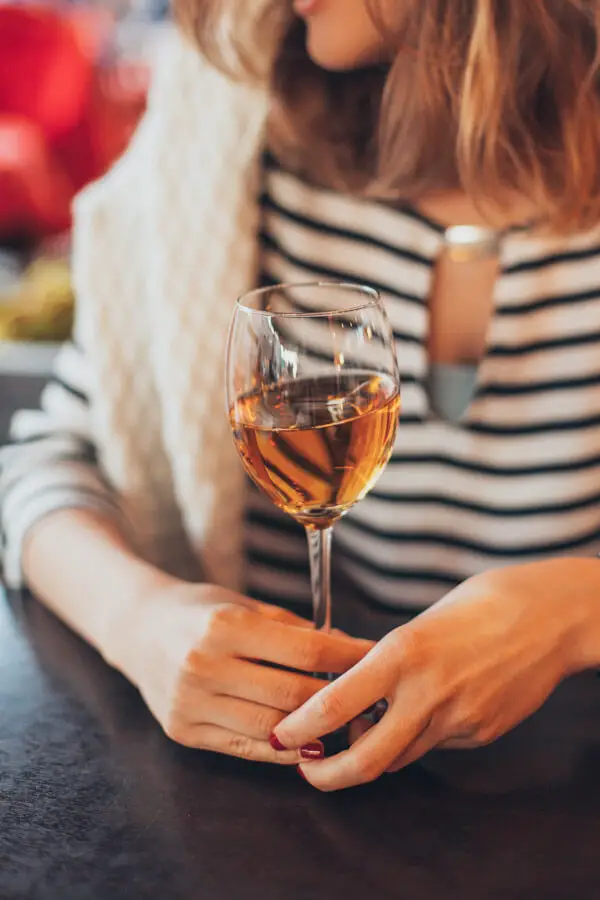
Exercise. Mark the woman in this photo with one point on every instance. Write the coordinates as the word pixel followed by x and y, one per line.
pixel 387 124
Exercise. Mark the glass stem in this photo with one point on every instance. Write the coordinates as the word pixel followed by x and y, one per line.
pixel 319 553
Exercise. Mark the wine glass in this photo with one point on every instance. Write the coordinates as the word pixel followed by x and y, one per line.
pixel 313 394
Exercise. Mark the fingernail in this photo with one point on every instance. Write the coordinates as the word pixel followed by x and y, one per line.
pixel 276 743
pixel 301 773
pixel 313 751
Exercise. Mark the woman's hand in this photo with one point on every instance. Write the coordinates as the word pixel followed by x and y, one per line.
pixel 458 676
pixel 195 653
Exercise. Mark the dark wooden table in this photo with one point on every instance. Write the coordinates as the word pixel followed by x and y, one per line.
pixel 96 804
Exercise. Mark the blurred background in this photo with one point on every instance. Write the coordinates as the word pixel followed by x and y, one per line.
pixel 73 83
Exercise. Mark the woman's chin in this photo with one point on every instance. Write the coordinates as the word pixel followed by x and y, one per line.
pixel 326 57
pixel 336 53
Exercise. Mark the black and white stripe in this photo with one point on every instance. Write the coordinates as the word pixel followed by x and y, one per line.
pixel 518 478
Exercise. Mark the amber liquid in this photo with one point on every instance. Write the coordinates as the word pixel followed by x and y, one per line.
pixel 317 446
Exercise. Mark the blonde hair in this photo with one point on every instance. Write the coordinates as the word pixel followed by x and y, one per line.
pixel 499 98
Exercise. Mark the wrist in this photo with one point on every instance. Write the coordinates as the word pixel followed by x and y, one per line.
pixel 128 613
pixel 83 568
pixel 584 611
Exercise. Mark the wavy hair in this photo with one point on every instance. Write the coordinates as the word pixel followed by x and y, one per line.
pixel 499 98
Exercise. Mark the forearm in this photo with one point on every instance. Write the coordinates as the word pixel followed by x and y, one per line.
pixel 81 567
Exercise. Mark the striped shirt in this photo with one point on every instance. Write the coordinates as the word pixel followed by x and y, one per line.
pixel 515 479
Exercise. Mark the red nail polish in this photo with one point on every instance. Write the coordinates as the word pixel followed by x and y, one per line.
pixel 301 773
pixel 315 750
pixel 276 743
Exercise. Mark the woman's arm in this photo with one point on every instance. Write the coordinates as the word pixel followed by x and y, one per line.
pixel 80 565
pixel 461 674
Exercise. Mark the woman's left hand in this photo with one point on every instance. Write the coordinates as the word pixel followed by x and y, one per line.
pixel 459 675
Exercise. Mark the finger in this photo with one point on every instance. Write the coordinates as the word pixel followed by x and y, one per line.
pixel 372 754
pixel 338 703
pixel 242 716
pixel 427 741
pixel 270 610
pixel 290 618
pixel 281 690
pixel 231 743
pixel 298 648
pixel 278 614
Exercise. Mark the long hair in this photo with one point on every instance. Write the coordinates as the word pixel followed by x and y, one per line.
pixel 498 98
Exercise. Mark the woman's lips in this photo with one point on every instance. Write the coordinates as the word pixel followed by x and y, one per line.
pixel 305 7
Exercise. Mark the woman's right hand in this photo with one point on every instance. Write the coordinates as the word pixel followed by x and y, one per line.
pixel 195 653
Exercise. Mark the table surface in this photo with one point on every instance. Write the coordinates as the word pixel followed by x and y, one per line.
pixel 96 803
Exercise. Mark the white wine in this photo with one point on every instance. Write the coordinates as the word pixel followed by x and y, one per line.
pixel 317 446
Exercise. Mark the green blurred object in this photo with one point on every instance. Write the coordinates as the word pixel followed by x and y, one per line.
pixel 41 306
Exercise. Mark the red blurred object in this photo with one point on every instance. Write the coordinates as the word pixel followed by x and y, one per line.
pixel 63 120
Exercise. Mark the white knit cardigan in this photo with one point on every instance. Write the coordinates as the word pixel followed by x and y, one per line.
pixel 164 245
